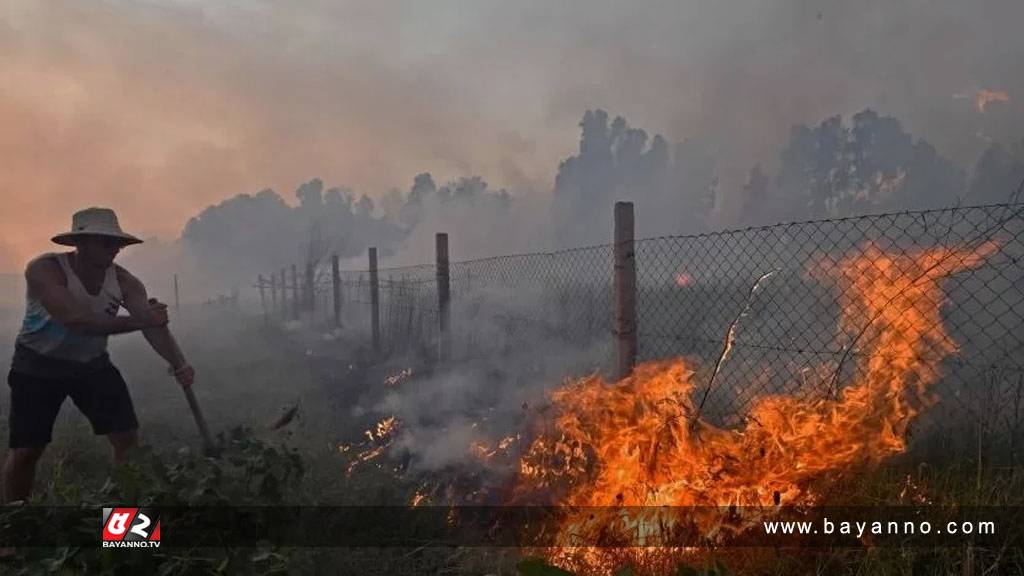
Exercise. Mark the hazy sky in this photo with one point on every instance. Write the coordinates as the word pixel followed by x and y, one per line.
pixel 159 108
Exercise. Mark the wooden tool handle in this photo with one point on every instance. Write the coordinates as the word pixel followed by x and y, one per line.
pixel 197 413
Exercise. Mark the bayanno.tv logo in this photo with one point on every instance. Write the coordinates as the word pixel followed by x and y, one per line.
pixel 131 528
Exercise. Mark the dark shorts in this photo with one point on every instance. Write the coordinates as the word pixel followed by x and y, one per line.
pixel 101 395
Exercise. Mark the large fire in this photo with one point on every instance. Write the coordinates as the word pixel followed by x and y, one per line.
pixel 641 441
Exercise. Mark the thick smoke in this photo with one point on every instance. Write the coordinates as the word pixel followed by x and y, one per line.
pixel 871 165
pixel 227 245
pixel 674 191
pixel 159 108
pixel 999 170
pixel 837 167
pixel 511 343
pixel 480 222
pixel 251 234
pixel 510 352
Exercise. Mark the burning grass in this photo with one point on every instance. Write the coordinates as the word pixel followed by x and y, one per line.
pixel 860 466
pixel 641 443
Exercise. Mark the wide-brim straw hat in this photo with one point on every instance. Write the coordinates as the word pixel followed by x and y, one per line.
pixel 94 222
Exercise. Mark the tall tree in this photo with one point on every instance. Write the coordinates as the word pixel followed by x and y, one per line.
pixel 673 193
pixel 833 170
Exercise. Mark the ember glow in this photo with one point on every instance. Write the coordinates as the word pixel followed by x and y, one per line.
pixel 640 442
pixel 486 452
pixel 383 428
pixel 378 438
pixel 984 97
pixel 417 499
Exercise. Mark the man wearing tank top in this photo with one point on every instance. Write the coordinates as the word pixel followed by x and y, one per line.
pixel 72 307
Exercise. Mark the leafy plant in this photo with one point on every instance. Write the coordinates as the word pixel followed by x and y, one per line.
pixel 250 472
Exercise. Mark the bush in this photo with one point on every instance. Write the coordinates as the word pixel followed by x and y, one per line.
pixel 248 472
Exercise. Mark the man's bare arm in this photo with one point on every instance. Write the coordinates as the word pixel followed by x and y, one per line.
pixel 159 337
pixel 45 283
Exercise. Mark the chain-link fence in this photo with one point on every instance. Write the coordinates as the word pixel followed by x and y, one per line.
pixel 806 329
pixel 772 310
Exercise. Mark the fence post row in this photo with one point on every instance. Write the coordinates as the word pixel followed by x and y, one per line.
pixel 443 296
pixel 625 290
pixel 374 300
pixel 624 286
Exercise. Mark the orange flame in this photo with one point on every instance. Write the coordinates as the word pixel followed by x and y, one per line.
pixel 383 428
pixel 417 499
pixel 486 452
pixel 379 438
pixel 983 97
pixel 641 442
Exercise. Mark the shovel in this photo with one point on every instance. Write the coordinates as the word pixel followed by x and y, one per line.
pixel 209 447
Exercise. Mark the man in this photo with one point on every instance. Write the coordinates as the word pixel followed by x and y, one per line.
pixel 61 349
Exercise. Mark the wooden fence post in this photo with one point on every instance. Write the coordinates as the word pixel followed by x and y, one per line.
pixel 389 313
pixel 295 292
pixel 284 295
pixel 443 297
pixel 310 287
pixel 374 300
pixel 336 285
pixel 177 301
pixel 407 298
pixel 625 290
pixel 273 293
pixel 263 300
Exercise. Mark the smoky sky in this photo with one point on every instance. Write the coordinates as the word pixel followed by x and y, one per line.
pixel 160 108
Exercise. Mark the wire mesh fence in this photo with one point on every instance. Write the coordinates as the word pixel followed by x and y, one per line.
pixel 808 330
pixel 930 300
